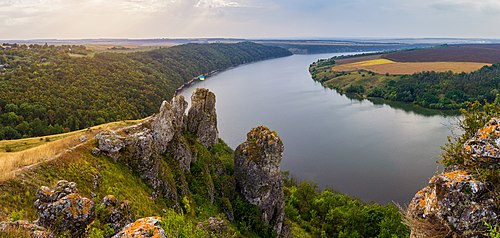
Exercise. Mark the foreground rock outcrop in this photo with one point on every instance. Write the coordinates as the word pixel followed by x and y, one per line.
pixel 62 209
pixel 258 176
pixel 119 214
pixel 457 203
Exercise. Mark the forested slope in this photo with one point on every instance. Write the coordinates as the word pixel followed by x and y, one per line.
pixel 47 90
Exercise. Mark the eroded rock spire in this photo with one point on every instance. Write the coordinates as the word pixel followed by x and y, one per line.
pixel 258 176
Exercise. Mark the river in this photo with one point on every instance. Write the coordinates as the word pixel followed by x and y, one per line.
pixel 371 151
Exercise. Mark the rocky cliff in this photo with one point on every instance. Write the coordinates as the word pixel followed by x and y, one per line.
pixel 258 176
pixel 144 146
pixel 180 157
pixel 461 201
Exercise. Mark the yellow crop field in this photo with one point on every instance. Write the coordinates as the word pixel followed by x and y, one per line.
pixel 374 62
pixel 383 66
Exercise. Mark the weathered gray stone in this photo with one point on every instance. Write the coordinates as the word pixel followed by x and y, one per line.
pixel 456 203
pixel 64 210
pixel 179 149
pixel 168 122
pixel 145 158
pixel 144 147
pixel 202 118
pixel 120 214
pixel 483 149
pixel 144 227
pixel 258 176
pixel 110 143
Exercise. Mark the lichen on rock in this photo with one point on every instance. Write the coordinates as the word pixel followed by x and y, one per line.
pixel 145 227
pixel 456 202
pixel 484 148
pixel 258 176
pixel 64 210
pixel 120 214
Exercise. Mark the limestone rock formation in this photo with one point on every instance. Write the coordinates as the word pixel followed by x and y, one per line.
pixel 168 122
pixel 145 227
pixel 64 210
pixel 110 143
pixel 142 147
pixel 202 118
pixel 484 148
pixel 456 203
pixel 120 214
pixel 258 176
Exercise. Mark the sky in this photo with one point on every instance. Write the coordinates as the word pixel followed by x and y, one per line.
pixel 84 19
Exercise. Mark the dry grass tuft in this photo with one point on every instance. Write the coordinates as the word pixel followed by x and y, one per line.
pixel 421 228
pixel 10 162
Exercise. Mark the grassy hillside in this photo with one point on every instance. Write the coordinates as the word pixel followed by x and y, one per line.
pixel 45 90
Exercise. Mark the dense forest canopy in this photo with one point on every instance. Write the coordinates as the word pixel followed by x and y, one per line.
pixel 47 89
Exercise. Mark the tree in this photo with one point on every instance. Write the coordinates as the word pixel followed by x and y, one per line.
pixel 10 133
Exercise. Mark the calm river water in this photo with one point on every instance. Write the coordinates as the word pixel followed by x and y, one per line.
pixel 372 151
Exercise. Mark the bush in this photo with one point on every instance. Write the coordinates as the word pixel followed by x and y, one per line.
pixel 16 215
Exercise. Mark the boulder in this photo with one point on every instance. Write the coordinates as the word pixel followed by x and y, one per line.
pixel 456 203
pixel 483 149
pixel 453 201
pixel 258 176
pixel 120 214
pixel 109 143
pixel 64 210
pixel 145 227
pixel 202 118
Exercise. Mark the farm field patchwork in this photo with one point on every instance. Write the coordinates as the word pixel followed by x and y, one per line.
pixel 383 66
pixel 482 53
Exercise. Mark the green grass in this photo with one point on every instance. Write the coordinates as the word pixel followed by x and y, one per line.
pixel 80 167
pixel 368 80
pixel 17 195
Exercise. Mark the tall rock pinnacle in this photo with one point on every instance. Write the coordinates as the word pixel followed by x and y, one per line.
pixel 258 176
pixel 202 118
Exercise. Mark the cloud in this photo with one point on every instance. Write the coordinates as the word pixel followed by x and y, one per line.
pixel 217 3
pixel 247 18
pixel 470 6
